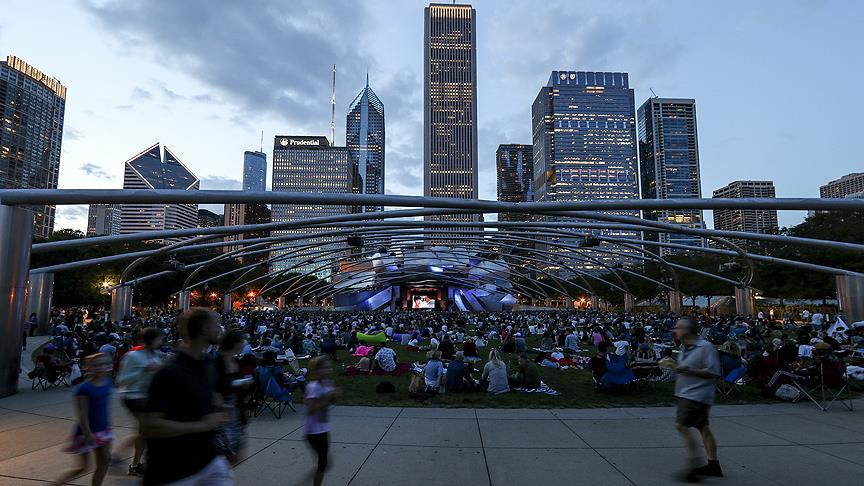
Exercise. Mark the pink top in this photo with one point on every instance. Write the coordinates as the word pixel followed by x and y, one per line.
pixel 318 422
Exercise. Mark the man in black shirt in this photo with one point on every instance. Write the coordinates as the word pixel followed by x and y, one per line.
pixel 182 416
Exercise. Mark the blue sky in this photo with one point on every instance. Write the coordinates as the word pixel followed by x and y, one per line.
pixel 777 83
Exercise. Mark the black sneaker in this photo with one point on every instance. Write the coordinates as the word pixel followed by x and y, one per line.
pixel 136 470
pixel 711 469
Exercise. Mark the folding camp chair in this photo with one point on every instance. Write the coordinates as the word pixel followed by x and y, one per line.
pixel 822 391
pixel 271 396
pixel 732 382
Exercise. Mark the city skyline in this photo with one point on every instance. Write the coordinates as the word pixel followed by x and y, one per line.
pixel 747 127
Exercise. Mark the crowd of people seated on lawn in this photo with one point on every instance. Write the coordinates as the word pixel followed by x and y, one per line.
pixel 627 347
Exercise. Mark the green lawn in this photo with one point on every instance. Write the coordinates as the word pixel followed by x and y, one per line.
pixel 575 386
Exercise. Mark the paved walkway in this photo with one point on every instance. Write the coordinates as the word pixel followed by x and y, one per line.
pixel 760 444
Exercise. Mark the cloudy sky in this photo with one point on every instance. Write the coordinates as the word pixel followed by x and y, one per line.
pixel 777 83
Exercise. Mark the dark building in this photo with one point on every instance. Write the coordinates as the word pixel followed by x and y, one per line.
pixel 584 128
pixel 747 220
pixel 103 220
pixel 254 171
pixel 848 185
pixel 365 140
pixel 153 170
pixel 243 214
pixel 669 165
pixel 450 104
pixel 208 219
pixel 310 165
pixel 515 167
pixel 31 132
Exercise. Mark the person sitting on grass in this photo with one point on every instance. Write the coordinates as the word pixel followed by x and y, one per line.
pixel 458 377
pixel 385 359
pixel 434 371
pixel 527 374
pixel 310 347
pixel 494 377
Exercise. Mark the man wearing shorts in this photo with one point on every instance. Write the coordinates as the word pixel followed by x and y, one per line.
pixel 698 369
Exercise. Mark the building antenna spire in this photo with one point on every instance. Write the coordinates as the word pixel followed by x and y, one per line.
pixel 262 142
pixel 333 110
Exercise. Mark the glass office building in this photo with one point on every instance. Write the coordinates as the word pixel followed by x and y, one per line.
pixel 584 128
pixel 151 170
pixel 669 165
pixel 309 165
pixel 365 140
pixel 450 104
pixel 32 107
pixel 515 168
pixel 254 171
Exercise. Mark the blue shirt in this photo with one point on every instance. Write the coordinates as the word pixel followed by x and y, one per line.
pixel 433 370
pixel 99 398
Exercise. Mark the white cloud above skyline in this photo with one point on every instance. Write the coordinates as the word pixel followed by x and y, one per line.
pixel 775 81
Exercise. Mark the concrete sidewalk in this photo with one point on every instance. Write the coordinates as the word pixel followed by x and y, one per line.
pixel 759 444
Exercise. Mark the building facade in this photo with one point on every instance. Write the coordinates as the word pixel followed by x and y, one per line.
pixel 243 214
pixel 309 165
pixel 844 186
pixel 209 219
pixel 515 169
pixel 32 108
pixel 365 140
pixel 450 104
pixel 151 169
pixel 254 171
pixel 748 220
pixel 584 129
pixel 669 165
pixel 103 220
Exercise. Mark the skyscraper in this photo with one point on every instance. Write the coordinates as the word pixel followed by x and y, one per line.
pixel 584 126
pixel 748 220
pixel 844 186
pixel 310 165
pixel 365 140
pixel 254 171
pixel 152 170
pixel 669 165
pixel 103 220
pixel 515 167
pixel 32 106
pixel 243 214
pixel 450 104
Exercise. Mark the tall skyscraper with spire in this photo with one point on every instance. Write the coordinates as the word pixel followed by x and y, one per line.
pixel 365 140
pixel 450 103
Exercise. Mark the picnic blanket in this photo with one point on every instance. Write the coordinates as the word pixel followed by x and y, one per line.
pixel 401 369
pixel 544 389
pixel 362 351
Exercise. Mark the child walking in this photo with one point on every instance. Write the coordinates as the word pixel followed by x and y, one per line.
pixel 320 393
pixel 93 431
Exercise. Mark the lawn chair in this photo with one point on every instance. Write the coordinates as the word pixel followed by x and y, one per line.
pixel 44 378
pixel 732 382
pixel 830 386
pixel 270 395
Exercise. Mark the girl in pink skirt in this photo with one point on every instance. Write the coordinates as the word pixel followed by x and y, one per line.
pixel 93 433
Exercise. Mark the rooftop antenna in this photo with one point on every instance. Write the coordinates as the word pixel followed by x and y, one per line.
pixel 653 93
pixel 262 142
pixel 333 110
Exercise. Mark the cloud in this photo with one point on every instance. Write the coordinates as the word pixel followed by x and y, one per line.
pixel 96 171
pixel 124 107
pixel 141 94
pixel 264 55
pixel 219 182
pixel 70 133
pixel 71 217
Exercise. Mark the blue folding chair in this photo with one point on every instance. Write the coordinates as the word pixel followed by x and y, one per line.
pixel 271 396
pixel 731 382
